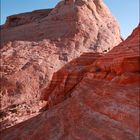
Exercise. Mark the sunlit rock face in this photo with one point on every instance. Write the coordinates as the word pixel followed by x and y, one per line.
pixel 94 97
pixel 37 44
pixel 119 66
pixel 25 18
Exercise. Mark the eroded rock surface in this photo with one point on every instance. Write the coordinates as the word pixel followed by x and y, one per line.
pixel 94 100
pixel 35 45
pixel 25 18
pixel 120 65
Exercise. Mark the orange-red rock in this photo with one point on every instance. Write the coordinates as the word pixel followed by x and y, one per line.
pixel 37 44
pixel 25 18
pixel 121 65
pixel 94 103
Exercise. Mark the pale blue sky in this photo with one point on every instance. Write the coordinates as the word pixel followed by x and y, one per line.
pixel 126 11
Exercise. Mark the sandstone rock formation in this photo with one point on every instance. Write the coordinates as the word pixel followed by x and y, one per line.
pixel 37 44
pixel 25 18
pixel 118 66
pixel 94 99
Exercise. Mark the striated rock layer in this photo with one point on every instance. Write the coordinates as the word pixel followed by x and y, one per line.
pixel 37 44
pixel 120 65
pixel 94 97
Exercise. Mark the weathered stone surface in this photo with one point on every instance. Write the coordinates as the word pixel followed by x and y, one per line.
pixel 26 18
pixel 121 65
pixel 66 79
pixel 98 106
pixel 35 45
pixel 90 20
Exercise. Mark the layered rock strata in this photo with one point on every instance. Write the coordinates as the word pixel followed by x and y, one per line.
pixel 37 44
pixel 94 100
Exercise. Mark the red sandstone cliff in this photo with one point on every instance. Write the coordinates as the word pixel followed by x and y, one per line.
pixel 94 97
pixel 37 44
